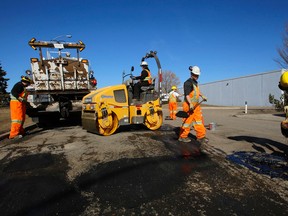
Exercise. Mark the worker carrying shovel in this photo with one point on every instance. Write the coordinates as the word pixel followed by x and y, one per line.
pixel 191 105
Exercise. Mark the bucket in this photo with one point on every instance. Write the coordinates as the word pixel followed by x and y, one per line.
pixel 212 126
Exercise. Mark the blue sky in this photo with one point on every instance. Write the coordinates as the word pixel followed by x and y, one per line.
pixel 225 38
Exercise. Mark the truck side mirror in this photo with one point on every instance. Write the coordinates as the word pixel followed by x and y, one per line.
pixel 132 68
pixel 91 74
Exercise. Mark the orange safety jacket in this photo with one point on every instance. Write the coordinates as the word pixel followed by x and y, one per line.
pixel 195 119
pixel 148 78
pixel 18 112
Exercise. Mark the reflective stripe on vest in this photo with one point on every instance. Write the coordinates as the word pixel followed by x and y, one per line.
pixel 148 78
pixel 172 98
pixel 194 95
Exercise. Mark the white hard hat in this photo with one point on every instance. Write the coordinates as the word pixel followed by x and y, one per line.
pixel 195 70
pixel 144 63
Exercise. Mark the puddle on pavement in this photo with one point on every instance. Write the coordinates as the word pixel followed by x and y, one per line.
pixel 37 185
pixel 263 163
pixel 130 182
pixel 169 137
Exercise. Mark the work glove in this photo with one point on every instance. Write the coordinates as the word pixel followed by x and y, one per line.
pixel 204 98
pixel 22 99
pixel 133 77
pixel 191 107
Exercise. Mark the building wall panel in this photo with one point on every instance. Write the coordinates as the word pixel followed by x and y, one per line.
pixel 253 89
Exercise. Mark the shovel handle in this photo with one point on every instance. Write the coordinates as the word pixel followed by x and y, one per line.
pixel 198 104
pixel 183 114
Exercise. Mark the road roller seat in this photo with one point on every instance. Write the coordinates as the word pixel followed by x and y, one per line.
pixel 150 87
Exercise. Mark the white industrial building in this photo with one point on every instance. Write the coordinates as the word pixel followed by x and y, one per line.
pixel 253 90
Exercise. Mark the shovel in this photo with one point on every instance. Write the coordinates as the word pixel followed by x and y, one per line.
pixel 183 114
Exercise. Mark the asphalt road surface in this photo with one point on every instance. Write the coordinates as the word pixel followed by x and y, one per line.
pixel 66 171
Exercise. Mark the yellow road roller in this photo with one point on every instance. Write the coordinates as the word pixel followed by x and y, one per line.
pixel 108 108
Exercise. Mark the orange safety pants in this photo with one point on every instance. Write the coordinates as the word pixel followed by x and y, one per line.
pixel 196 120
pixel 173 109
pixel 17 112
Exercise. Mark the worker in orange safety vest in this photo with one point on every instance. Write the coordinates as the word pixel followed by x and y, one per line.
pixel 191 105
pixel 145 79
pixel 173 95
pixel 18 107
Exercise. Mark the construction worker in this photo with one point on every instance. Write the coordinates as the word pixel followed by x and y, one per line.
pixel 18 107
pixel 145 79
pixel 283 85
pixel 191 105
pixel 173 95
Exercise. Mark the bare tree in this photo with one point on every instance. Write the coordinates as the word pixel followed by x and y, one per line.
pixel 283 52
pixel 169 79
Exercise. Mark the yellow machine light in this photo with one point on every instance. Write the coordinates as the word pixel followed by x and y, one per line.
pixel 34 60
pixel 84 61
pixel 31 43
pixel 83 45
pixel 32 40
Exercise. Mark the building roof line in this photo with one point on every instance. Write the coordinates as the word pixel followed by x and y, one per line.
pixel 241 77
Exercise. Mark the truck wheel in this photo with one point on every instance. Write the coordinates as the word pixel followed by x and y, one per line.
pixel 154 121
pixel 108 125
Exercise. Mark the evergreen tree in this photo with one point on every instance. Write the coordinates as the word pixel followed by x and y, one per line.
pixel 3 81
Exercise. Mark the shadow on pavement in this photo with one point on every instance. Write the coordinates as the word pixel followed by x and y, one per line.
pixel 259 143
pixel 273 165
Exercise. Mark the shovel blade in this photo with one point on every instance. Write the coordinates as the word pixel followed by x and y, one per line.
pixel 182 114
